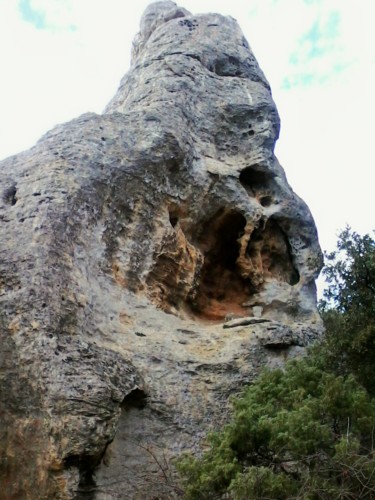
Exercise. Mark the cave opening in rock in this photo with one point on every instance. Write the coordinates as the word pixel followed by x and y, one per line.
pixel 227 66
pixel 86 465
pixel 135 399
pixel 266 201
pixel 126 452
pixel 174 215
pixel 173 220
pixel 9 195
pixel 253 178
pixel 222 290
pixel 271 255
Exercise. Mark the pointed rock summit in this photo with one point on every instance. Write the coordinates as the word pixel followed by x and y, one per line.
pixel 153 259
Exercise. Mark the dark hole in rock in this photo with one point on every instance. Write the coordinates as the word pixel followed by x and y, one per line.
pixel 9 195
pixel 228 66
pixel 190 24
pixel 271 255
pixel 86 465
pixel 252 177
pixel 222 290
pixel 278 347
pixel 140 334
pixel 173 164
pixel 173 219
pixel 128 450
pixel 266 201
pixel 135 399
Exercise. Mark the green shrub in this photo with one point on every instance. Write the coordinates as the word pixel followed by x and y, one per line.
pixel 287 438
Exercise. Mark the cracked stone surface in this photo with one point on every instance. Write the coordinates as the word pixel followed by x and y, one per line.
pixel 152 260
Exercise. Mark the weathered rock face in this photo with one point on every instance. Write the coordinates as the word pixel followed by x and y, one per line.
pixel 128 241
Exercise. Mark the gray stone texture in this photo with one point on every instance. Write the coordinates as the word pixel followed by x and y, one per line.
pixel 128 241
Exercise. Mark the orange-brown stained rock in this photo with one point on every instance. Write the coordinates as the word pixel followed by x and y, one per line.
pixel 172 280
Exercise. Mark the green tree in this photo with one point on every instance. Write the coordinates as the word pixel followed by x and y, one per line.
pixel 348 308
pixel 307 431
pixel 297 433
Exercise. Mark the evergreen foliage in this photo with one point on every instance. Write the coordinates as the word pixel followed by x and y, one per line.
pixel 306 432
pixel 348 308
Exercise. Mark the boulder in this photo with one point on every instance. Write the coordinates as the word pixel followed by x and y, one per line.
pixel 128 240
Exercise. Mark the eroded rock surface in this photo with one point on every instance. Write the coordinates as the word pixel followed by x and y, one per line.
pixel 128 240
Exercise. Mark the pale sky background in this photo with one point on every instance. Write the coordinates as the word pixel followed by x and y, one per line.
pixel 62 58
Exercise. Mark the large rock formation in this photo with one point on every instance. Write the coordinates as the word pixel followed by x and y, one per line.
pixel 152 259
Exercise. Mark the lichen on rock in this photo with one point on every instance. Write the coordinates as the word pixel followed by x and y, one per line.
pixel 128 240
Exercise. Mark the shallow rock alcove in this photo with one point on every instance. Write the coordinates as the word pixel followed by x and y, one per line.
pixel 222 289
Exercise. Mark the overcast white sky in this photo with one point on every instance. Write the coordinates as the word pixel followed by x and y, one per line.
pixel 61 58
